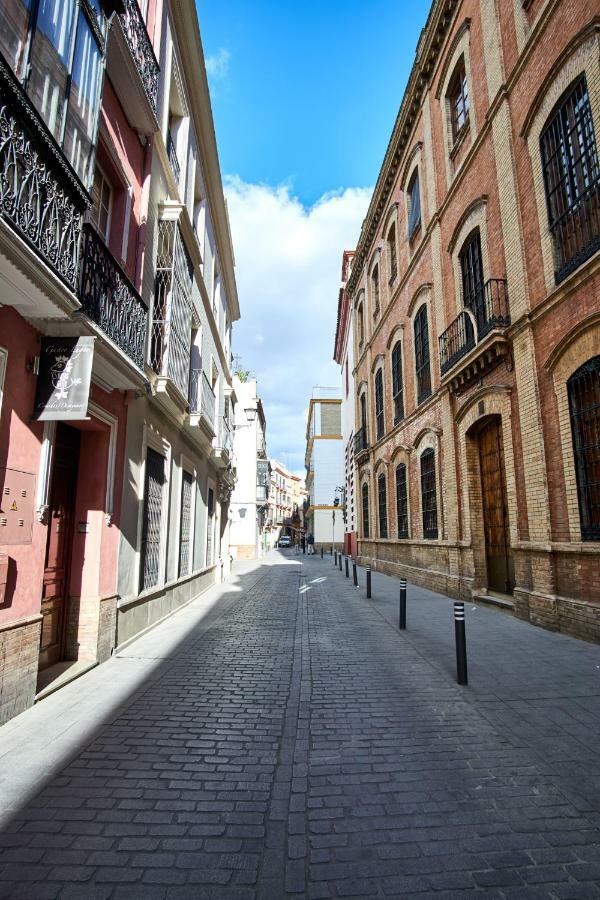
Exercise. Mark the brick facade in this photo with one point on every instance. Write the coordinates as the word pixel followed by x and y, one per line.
pixel 533 329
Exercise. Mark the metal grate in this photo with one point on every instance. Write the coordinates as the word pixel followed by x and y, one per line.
pixel 185 531
pixel 365 509
pixel 397 386
pixel 423 369
pixel 401 501
pixel 429 494
pixel 382 506
pixel 210 536
pixel 379 417
pixel 172 313
pixel 151 525
pixel 572 180
pixel 584 404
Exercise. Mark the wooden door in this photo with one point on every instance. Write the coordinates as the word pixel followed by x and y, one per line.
pixel 58 545
pixel 500 565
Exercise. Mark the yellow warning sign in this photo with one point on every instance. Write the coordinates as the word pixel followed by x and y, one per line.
pixel 14 506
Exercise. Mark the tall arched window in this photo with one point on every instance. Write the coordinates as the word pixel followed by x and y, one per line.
pixel 360 325
pixel 375 289
pixel 401 501
pixel 471 270
pixel 584 407
pixel 458 100
pixel 429 494
pixel 382 506
pixel 397 385
pixel 379 415
pixel 365 509
pixel 423 369
pixel 392 254
pixel 571 179
pixel 414 204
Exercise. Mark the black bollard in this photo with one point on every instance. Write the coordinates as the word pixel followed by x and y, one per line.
pixel 340 561
pixel 354 575
pixel 461 642
pixel 368 582
pixel 402 618
pixel 347 571
pixel 321 553
pixel 335 558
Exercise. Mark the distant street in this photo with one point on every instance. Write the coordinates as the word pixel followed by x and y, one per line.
pixel 280 737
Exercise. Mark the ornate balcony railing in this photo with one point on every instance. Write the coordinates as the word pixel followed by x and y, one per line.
pixel 135 31
pixel 40 195
pixel 488 310
pixel 361 442
pixel 109 299
pixel 172 154
pixel 576 233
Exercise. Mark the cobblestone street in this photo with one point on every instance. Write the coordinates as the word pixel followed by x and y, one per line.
pixel 279 737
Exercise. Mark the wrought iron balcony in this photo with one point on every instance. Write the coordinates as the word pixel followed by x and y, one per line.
pixel 172 154
pixel 488 311
pixel 576 233
pixel 202 400
pixel 40 195
pixel 135 31
pixel 261 445
pixel 109 299
pixel 361 442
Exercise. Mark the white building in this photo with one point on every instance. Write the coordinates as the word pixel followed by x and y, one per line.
pixel 344 356
pixel 324 461
pixel 250 498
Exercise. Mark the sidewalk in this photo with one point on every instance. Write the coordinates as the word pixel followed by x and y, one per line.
pixel 280 738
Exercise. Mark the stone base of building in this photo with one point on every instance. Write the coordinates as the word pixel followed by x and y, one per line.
pixel 19 650
pixel 136 616
pixel 574 617
pixel 91 628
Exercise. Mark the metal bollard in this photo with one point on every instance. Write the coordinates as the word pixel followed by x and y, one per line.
pixel 354 575
pixel 321 553
pixel 461 642
pixel 347 571
pixel 335 558
pixel 340 561
pixel 402 617
pixel 368 582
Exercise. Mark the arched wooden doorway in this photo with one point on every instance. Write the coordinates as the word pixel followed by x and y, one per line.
pixel 499 558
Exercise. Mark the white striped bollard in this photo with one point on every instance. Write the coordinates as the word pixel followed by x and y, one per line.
pixel 461 642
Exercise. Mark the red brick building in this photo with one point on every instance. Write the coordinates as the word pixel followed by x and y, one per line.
pixel 476 296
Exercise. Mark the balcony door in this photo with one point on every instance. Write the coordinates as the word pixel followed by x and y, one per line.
pixel 471 266
pixel 500 565
pixel 59 543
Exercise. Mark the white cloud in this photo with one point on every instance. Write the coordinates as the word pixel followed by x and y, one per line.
pixel 288 265
pixel 217 65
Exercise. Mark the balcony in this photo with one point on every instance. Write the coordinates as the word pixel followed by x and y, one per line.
pixel 361 443
pixel 223 450
pixel 133 68
pixel 110 300
pixel 40 195
pixel 576 234
pixel 476 336
pixel 202 400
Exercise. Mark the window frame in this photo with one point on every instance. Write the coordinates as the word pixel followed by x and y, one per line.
pixel 402 502
pixel 364 496
pixel 458 91
pixel 382 506
pixel 587 489
pixel 428 479
pixel 413 224
pixel 379 404
pixel 375 285
pixel 422 352
pixel 105 181
pixel 392 252
pixel 397 382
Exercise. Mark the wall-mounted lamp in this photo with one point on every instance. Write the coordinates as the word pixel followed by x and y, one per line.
pixel 251 413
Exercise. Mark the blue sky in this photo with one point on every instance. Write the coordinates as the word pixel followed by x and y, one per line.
pixel 304 99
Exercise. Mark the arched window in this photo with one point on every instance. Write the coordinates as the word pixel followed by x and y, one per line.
pixel 365 509
pixel 379 416
pixel 382 506
pixel 401 501
pixel 375 290
pixel 414 204
pixel 429 494
pixel 360 325
pixel 584 407
pixel 397 386
pixel 422 366
pixel 571 179
pixel 458 100
pixel 392 254
pixel 471 271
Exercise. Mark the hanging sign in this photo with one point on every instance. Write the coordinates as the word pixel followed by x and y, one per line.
pixel 63 385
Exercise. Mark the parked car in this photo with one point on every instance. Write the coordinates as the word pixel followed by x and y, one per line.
pixel 284 541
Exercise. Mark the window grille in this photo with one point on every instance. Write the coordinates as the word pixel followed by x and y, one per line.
pixel 423 370
pixel 152 519
pixel 401 501
pixel 397 386
pixel 584 405
pixel 210 531
pixel 392 254
pixel 429 494
pixel 414 206
pixel 379 417
pixel 365 509
pixel 185 531
pixel 471 268
pixel 375 290
pixel 572 180
pixel 458 98
pixel 172 314
pixel 361 327
pixel 382 504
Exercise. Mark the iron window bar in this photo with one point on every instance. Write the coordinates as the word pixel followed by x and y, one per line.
pixel 401 501
pixel 379 415
pixel 152 519
pixel 489 309
pixel 397 386
pixel 422 366
pixel 584 407
pixel 361 441
pixel 429 494
pixel 365 510
pixel 382 504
